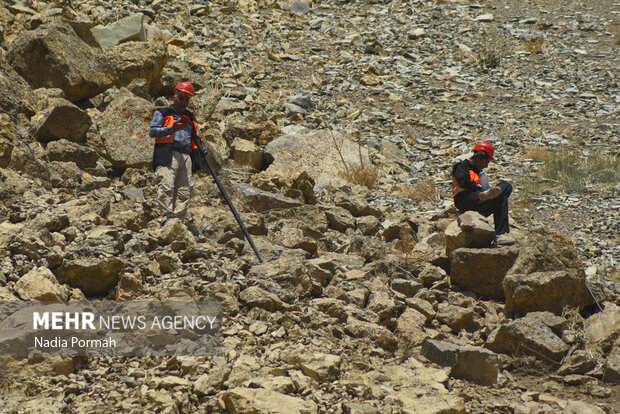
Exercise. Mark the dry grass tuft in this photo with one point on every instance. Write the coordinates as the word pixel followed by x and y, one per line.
pixel 576 172
pixel 536 153
pixel 534 46
pixel 490 51
pixel 615 30
pixel 366 175
pixel 421 191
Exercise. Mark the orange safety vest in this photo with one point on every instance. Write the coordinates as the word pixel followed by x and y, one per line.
pixel 457 188
pixel 169 139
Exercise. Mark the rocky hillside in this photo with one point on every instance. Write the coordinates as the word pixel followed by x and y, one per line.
pixel 330 124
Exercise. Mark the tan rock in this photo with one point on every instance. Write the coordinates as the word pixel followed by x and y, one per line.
pixel 470 230
pixel 247 153
pixel 257 400
pixel 603 328
pixel 482 270
pixel 545 291
pixel 53 56
pixel 41 284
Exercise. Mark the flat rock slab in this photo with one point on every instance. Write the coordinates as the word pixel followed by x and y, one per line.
pixel 467 362
pixel 469 230
pixel 262 201
pixel 603 329
pixel 258 400
pixel 315 152
pixel 129 28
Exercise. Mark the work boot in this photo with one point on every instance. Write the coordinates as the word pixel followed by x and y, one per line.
pixel 505 240
pixel 490 194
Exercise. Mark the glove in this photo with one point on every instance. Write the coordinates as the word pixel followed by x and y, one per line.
pixel 204 152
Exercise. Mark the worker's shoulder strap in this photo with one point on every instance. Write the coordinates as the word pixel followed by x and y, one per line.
pixel 167 111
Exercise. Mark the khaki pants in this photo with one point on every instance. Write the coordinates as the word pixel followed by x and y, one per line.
pixel 174 185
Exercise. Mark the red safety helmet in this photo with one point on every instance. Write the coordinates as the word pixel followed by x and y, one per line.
pixel 483 146
pixel 185 87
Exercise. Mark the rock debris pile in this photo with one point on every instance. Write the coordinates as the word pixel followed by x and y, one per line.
pixel 354 310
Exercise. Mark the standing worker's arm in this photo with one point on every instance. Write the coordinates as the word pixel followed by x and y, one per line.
pixel 158 129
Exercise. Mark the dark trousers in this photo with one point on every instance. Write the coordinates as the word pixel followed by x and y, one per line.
pixel 468 201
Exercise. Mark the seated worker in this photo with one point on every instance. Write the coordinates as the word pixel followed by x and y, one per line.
pixel 473 192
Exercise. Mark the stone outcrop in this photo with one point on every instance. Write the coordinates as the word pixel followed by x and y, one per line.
pixel 544 291
pixel 15 94
pixel 93 276
pixel 41 284
pixel 482 270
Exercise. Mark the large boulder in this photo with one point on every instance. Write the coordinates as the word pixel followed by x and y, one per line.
pixel 15 94
pixel 60 119
pixel 93 276
pixel 313 151
pixel 529 336
pixel 124 129
pixel 53 56
pixel 547 276
pixel 482 270
pixel 469 230
pixel 545 291
pixel 247 153
pixel 138 60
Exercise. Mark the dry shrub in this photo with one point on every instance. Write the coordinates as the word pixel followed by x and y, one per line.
pixel 536 153
pixel 366 175
pixel 534 46
pixel 421 191
pixel 490 51
pixel 576 172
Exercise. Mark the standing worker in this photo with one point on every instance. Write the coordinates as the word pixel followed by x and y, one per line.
pixel 177 153
pixel 472 190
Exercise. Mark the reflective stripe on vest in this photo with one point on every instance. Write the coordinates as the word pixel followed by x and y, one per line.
pixel 457 189
pixel 169 139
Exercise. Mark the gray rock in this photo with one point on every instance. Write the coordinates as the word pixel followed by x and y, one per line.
pixel 60 119
pixel 482 270
pixel 123 30
pixel 407 287
pixel 611 369
pixel 471 363
pixel 313 151
pixel 528 336
pixel 124 129
pixel 340 219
